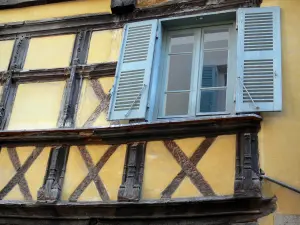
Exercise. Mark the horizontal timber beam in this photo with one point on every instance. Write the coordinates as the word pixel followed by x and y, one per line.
pixel 223 210
pixel 110 21
pixel 117 134
pixel 92 71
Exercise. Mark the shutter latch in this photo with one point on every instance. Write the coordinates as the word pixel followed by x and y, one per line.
pixel 244 87
pixel 137 97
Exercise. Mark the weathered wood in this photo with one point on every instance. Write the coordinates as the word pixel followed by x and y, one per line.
pixel 72 90
pixel 71 24
pixel 247 182
pixel 19 176
pixel 204 126
pixel 122 6
pixel 217 209
pixel 189 169
pixel 23 185
pixel 131 187
pixel 195 158
pixel 8 4
pixel 93 174
pixel 53 182
pixel 9 90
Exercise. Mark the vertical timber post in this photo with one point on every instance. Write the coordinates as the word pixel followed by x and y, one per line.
pixel 53 182
pixel 247 182
pixel 131 187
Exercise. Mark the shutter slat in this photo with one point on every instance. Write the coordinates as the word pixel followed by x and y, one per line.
pixel 259 60
pixel 130 95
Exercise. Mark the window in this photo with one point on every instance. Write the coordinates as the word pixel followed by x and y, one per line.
pixel 184 67
pixel 196 72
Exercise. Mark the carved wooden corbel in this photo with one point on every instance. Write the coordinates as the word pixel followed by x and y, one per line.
pixel 131 187
pixel 247 181
pixel 122 6
pixel 52 187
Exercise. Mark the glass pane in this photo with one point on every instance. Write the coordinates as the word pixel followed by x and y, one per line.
pixel 216 38
pixel 177 103
pixel 182 43
pixel 213 101
pixel 215 58
pixel 180 69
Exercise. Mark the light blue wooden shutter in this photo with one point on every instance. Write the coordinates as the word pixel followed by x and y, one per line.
pixel 259 60
pixel 130 93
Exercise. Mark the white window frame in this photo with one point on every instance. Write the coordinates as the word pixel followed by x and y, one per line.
pixel 197 70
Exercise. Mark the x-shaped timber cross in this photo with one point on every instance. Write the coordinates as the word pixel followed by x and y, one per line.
pixel 188 168
pixel 93 173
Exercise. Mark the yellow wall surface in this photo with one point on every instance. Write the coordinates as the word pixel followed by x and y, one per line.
pixel 49 52
pixel 6 48
pixel 217 167
pixel 105 46
pixel 279 136
pixel 110 174
pixel 36 105
pixel 34 179
pixel 62 9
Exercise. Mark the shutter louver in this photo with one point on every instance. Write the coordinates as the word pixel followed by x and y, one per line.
pixel 259 60
pixel 130 95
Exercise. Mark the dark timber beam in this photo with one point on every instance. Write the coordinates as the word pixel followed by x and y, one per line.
pixel 7 4
pixel 122 6
pixel 71 24
pixel 202 210
pixel 131 187
pixel 118 134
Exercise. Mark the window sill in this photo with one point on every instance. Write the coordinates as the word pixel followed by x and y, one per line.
pixel 117 134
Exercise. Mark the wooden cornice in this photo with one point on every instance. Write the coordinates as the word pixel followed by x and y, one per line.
pixel 72 24
pixel 8 4
pixel 204 210
pixel 204 126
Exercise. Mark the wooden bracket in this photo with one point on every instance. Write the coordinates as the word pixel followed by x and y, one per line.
pixel 122 6
pixel 247 182
pixel 51 189
pixel 130 190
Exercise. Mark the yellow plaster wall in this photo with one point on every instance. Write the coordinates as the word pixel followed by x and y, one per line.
pixel 36 105
pixel 6 48
pixel 34 179
pixel 217 167
pixel 145 3
pixel 89 101
pixel 279 136
pixel 105 46
pixel 110 174
pixel 49 52
pixel 55 10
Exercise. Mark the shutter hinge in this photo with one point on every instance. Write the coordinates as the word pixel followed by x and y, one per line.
pixel 156 34
pixel 236 26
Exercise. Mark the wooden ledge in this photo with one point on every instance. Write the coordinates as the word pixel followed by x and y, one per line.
pixel 118 134
pixel 217 209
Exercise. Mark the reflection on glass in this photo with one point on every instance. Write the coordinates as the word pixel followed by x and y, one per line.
pixel 182 43
pixel 180 69
pixel 214 71
pixel 212 101
pixel 177 103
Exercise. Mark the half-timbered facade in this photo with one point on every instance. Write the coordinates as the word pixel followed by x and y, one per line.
pixel 149 112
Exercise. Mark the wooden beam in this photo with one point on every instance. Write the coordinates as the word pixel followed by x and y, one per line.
pixel 131 187
pixel 9 90
pixel 117 134
pixel 247 181
pixel 8 4
pixel 122 6
pixel 71 24
pixel 225 209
